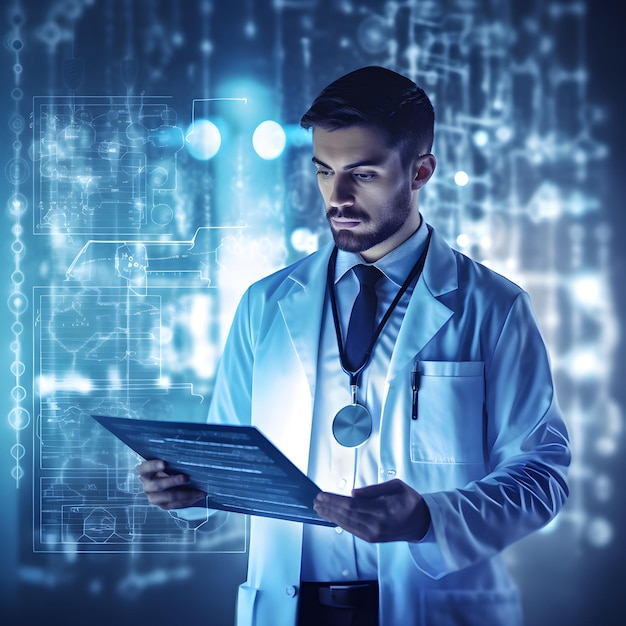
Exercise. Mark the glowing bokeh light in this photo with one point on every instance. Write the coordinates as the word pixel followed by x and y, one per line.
pixel 461 178
pixel 481 138
pixel 269 140
pixel 203 140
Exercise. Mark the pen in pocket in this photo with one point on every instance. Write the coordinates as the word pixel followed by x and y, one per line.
pixel 415 385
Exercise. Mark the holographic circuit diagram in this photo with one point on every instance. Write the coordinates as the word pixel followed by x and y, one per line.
pixel 108 335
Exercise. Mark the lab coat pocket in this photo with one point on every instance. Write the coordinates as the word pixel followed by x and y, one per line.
pixel 449 418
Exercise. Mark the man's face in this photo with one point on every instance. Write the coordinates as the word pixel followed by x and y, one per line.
pixel 370 198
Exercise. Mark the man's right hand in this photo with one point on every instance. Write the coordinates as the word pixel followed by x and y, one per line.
pixel 167 491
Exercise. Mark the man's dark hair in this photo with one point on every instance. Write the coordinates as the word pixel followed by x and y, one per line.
pixel 378 97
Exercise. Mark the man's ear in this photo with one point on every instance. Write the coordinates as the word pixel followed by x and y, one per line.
pixel 424 168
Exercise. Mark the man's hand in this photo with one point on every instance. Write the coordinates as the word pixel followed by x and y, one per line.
pixel 168 491
pixel 390 511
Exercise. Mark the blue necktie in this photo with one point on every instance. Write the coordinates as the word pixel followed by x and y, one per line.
pixel 363 317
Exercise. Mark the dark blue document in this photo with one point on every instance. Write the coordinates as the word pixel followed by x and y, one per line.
pixel 237 466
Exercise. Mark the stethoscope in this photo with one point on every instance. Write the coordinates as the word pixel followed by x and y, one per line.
pixel 352 425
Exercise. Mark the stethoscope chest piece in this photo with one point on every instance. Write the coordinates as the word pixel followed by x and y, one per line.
pixel 352 426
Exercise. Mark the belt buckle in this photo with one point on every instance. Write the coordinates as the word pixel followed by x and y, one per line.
pixel 344 596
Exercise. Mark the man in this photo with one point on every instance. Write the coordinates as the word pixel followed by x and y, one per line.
pixel 437 446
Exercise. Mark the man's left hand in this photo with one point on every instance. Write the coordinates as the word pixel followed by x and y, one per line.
pixel 390 511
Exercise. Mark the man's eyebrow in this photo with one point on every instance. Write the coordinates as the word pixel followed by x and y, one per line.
pixel 349 166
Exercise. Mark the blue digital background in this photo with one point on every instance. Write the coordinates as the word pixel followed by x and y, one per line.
pixel 136 208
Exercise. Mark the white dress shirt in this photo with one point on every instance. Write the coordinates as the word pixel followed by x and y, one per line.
pixel 330 554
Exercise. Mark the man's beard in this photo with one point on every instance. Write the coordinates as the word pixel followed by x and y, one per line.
pixel 390 218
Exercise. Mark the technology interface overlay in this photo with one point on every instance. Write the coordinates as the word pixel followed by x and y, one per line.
pixel 121 329
pixel 112 261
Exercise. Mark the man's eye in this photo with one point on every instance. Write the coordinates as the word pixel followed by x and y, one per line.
pixel 364 177
pixel 324 173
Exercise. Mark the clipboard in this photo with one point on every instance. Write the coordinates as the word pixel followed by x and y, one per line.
pixel 237 466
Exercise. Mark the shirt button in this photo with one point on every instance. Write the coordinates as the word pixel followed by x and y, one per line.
pixel 345 573
pixel 338 530
pixel 342 484
pixel 291 591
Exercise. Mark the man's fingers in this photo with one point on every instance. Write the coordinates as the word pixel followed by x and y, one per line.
pixel 176 498
pixel 387 512
pixel 165 490
pixel 162 481
pixel 150 467
pixel 344 510
pixel 340 505
pixel 154 476
pixel 388 488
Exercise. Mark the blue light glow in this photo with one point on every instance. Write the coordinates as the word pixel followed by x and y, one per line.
pixel 269 140
pixel 203 140
pixel 143 192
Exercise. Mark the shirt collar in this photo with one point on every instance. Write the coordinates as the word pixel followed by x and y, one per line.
pixel 395 265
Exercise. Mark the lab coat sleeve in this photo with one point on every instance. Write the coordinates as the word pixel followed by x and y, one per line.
pixel 527 456
pixel 232 395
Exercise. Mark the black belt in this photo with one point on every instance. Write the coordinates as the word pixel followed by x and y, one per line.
pixel 354 595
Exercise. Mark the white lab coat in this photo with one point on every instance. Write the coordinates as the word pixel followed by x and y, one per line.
pixel 488 452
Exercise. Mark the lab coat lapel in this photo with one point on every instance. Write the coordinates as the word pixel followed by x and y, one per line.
pixel 425 314
pixel 302 308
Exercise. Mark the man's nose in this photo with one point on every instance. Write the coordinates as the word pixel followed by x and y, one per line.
pixel 341 194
